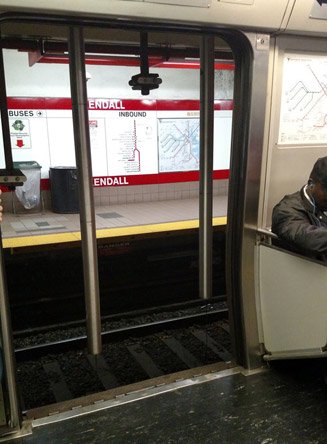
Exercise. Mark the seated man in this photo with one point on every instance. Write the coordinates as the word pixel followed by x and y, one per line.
pixel 299 219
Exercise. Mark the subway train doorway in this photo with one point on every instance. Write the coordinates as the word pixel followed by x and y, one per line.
pixel 149 121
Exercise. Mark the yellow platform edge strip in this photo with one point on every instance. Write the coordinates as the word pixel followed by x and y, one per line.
pixel 58 238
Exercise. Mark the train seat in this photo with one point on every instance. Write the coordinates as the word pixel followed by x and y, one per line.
pixel 292 304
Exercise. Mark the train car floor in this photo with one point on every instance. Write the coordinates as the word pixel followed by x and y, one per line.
pixel 283 404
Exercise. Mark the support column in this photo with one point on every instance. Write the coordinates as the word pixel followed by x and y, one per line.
pixel 9 363
pixel 86 199
pixel 206 164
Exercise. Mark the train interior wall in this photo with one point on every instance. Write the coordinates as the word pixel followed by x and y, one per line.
pixel 239 407
pixel 296 136
pixel 302 143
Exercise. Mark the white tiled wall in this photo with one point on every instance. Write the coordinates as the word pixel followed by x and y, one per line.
pixel 133 194
pixel 147 193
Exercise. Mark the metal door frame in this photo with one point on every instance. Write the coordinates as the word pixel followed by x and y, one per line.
pixel 251 66
pixel 243 198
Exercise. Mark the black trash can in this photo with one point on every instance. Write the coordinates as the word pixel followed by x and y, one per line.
pixel 64 189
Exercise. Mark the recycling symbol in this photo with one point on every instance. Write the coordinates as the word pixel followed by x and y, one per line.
pixel 18 125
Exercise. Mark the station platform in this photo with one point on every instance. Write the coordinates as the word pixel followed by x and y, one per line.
pixel 283 404
pixel 114 221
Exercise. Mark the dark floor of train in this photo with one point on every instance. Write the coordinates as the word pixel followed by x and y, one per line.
pixel 284 404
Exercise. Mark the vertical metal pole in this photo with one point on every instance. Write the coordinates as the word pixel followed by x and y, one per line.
pixel 9 363
pixel 144 53
pixel 4 116
pixel 86 200
pixel 206 165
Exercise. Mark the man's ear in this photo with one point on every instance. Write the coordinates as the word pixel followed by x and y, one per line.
pixel 311 184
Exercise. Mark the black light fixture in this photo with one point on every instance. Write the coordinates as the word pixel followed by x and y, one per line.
pixel 144 81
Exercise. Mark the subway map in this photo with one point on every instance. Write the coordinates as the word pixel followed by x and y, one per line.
pixel 178 144
pixel 303 118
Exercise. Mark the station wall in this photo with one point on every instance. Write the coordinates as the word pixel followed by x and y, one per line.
pixel 171 110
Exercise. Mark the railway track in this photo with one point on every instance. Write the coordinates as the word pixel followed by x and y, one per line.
pixel 118 334
pixel 177 334
pixel 62 370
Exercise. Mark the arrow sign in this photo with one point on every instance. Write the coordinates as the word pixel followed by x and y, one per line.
pixel 20 143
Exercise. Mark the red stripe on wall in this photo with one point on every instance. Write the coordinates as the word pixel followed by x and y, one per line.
pixel 161 178
pixel 144 179
pixel 39 103
pixel 191 105
pixel 157 62
pixel 105 104
pixel 113 104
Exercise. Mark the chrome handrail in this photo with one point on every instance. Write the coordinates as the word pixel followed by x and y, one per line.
pixel 267 232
